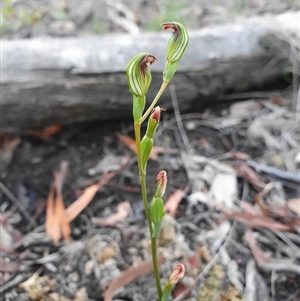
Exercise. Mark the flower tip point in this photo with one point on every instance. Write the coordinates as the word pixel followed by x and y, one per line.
pixel 156 113
pixel 177 274
pixel 161 184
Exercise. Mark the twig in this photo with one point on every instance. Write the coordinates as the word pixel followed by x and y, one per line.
pixel 13 283
pixel 270 238
pixel 18 204
pixel 281 265
pixel 251 95
pixel 298 106
pixel 281 174
pixel 179 120
pixel 273 280
pixel 288 241
pixel 250 290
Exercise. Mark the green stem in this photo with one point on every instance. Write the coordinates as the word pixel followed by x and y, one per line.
pixel 137 132
pixel 157 97
pixel 155 267
pixel 142 173
pixel 167 292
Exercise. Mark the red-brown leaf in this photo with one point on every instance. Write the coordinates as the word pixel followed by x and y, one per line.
pixel 44 133
pixel 256 221
pixel 130 143
pixel 294 205
pixel 82 202
pixel 56 224
pixel 174 200
pixel 256 251
pixel 129 275
pixel 249 175
pixel 123 210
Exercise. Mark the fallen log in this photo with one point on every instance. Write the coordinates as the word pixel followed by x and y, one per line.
pixel 59 81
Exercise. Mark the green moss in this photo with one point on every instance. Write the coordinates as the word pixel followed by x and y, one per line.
pixel 212 289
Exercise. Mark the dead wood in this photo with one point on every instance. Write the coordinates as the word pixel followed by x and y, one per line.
pixel 59 81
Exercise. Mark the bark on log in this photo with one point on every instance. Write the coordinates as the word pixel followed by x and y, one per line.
pixel 46 81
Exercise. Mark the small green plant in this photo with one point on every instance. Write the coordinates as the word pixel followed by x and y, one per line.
pixel 61 14
pixel 7 9
pixel 170 10
pixel 98 25
pixel 12 18
pixel 139 78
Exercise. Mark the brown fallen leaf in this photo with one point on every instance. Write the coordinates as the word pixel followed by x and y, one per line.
pixel 44 133
pixel 59 179
pixel 256 251
pixel 259 199
pixel 7 147
pixel 256 220
pixel 130 143
pixel 51 224
pixel 123 210
pixel 249 175
pixel 82 202
pixel 277 100
pixel 56 224
pixel 179 289
pixel 58 218
pixel 250 208
pixel 129 275
pixel 194 260
pixel 65 227
pixel 280 212
pixel 156 150
pixel 174 200
pixel 294 205
pixel 239 156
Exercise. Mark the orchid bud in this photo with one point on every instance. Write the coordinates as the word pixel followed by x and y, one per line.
pixel 177 274
pixel 157 204
pixel 148 139
pixel 138 73
pixel 161 184
pixel 176 47
pixel 153 122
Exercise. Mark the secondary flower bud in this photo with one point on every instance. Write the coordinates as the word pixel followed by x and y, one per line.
pixel 161 184
pixel 153 122
pixel 148 139
pixel 177 274
pixel 178 42
pixel 138 73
